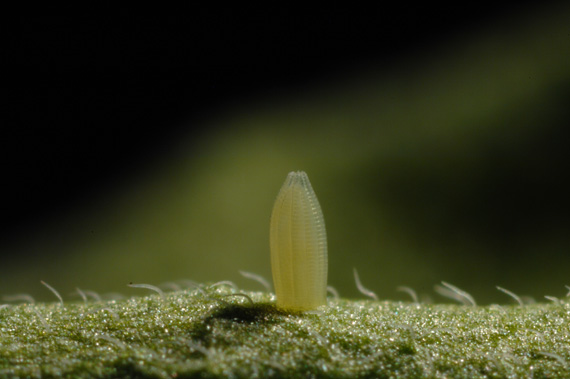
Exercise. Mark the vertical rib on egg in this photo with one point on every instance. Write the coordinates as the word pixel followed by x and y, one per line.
pixel 298 246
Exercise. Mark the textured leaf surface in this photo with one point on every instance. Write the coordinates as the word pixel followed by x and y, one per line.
pixel 204 333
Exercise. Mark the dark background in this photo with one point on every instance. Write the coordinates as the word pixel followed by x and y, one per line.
pixel 94 102
pixel 84 96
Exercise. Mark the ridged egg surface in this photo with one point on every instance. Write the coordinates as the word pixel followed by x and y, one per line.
pixel 298 246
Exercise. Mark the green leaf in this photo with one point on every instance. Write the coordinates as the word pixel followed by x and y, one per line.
pixel 212 332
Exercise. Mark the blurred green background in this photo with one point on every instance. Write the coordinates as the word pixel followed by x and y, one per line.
pixel 449 165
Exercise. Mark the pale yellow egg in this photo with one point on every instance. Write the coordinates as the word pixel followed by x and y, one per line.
pixel 298 246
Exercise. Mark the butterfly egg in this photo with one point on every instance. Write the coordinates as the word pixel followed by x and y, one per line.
pixel 298 244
